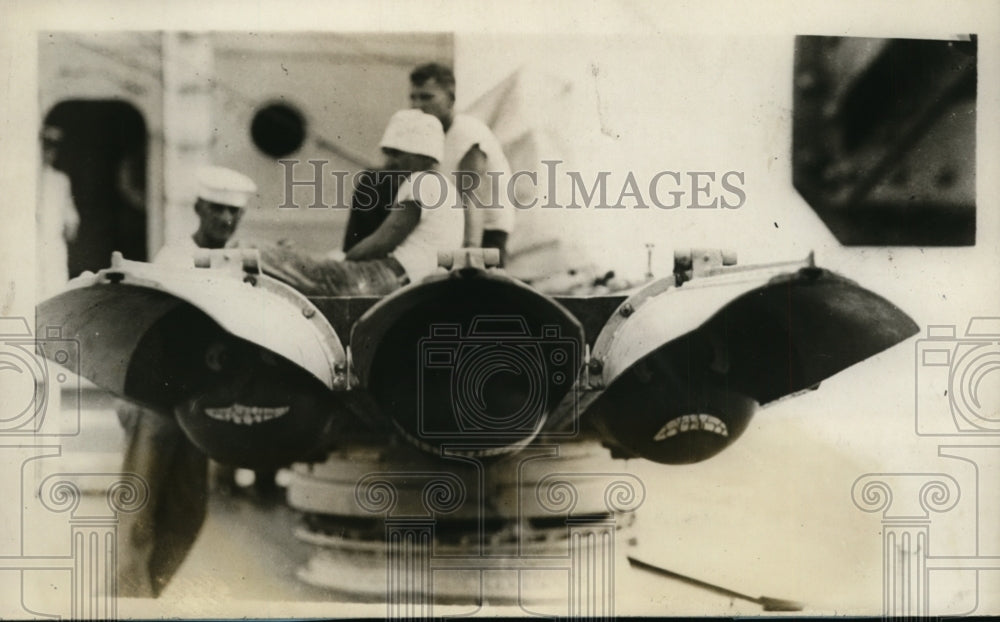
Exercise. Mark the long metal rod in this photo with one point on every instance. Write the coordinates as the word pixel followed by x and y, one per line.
pixel 768 603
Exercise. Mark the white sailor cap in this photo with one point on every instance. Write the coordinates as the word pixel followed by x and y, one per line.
pixel 416 132
pixel 224 186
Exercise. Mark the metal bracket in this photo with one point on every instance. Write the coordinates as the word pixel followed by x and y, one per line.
pixel 238 260
pixel 693 262
pixel 460 259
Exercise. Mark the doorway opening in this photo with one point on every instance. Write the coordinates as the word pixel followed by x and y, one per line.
pixel 104 154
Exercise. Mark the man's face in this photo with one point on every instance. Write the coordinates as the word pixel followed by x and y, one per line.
pixel 431 98
pixel 50 150
pixel 218 222
pixel 396 160
pixel 51 142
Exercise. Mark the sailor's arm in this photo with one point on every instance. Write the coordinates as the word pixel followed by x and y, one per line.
pixel 475 161
pixel 400 222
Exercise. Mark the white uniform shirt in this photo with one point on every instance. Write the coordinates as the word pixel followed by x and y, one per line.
pixel 440 226
pixel 466 132
pixel 178 254
pixel 56 206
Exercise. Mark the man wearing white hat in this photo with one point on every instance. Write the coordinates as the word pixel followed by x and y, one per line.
pixel 157 538
pixel 471 151
pixel 223 195
pixel 426 217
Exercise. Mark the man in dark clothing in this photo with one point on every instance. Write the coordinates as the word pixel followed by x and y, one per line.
pixel 374 193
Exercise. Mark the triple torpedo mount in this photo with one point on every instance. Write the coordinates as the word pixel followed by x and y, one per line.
pixel 469 362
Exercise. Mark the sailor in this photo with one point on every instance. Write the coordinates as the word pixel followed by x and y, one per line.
pixel 57 220
pixel 223 195
pixel 157 538
pixel 470 152
pixel 425 217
